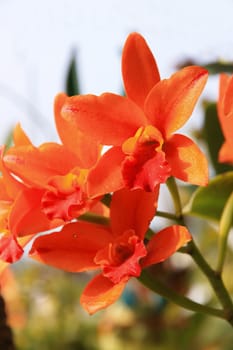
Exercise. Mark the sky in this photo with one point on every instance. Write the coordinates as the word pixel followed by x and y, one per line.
pixel 38 38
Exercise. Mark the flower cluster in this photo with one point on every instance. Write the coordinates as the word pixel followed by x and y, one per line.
pixel 52 186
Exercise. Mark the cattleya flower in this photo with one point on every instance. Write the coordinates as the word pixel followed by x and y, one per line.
pixel 10 249
pixel 58 172
pixel 118 250
pixel 225 113
pixel 140 126
pixel 20 214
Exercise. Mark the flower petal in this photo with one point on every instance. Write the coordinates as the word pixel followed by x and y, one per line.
pixel 224 80
pixel 26 216
pixel 127 259
pixel 109 118
pixel 4 196
pixel 36 165
pixel 11 186
pixel 226 153
pixel 10 250
pixel 147 174
pixel 133 209
pixel 164 243
pixel 66 197
pixel 100 293
pixel 86 150
pixel 139 69
pixel 171 102
pixel 228 96
pixel 73 248
pixel 106 176
pixel 225 110
pixel 20 137
pixel 187 161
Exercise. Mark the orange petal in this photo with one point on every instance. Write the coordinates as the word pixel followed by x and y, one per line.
pixel 36 165
pixel 141 171
pixel 139 69
pixel 4 196
pixel 187 161
pixel 106 176
pixel 133 209
pixel 228 97
pixel 10 250
pixel 12 186
pixel 225 107
pixel 165 243
pixel 73 248
pixel 84 147
pixel 26 216
pixel 223 82
pixel 100 293
pixel 100 209
pixel 171 102
pixel 226 153
pixel 109 118
pixel 20 137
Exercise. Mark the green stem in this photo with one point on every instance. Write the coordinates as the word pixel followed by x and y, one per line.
pixel 166 215
pixel 106 200
pixel 94 218
pixel 224 229
pixel 172 186
pixel 213 277
pixel 159 288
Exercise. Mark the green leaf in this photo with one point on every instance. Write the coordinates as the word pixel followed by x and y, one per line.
pixel 72 85
pixel 214 67
pixel 219 67
pixel 213 136
pixel 224 230
pixel 208 202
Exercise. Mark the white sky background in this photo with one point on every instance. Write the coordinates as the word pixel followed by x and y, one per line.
pixel 37 39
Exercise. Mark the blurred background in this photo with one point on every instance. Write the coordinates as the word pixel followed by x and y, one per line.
pixel 39 42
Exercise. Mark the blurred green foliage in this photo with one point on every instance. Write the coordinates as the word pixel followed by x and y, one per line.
pixel 55 320
pixel 215 67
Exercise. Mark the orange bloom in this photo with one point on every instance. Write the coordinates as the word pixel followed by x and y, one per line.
pixel 140 126
pixel 48 189
pixel 56 172
pixel 11 247
pixel 225 113
pixel 21 216
pixel 118 250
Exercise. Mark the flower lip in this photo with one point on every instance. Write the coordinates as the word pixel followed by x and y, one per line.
pixel 120 260
pixel 145 136
pixel 65 197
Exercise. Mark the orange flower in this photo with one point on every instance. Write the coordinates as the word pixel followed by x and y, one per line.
pixel 56 172
pixel 21 216
pixel 11 248
pixel 40 198
pixel 140 126
pixel 225 113
pixel 118 250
